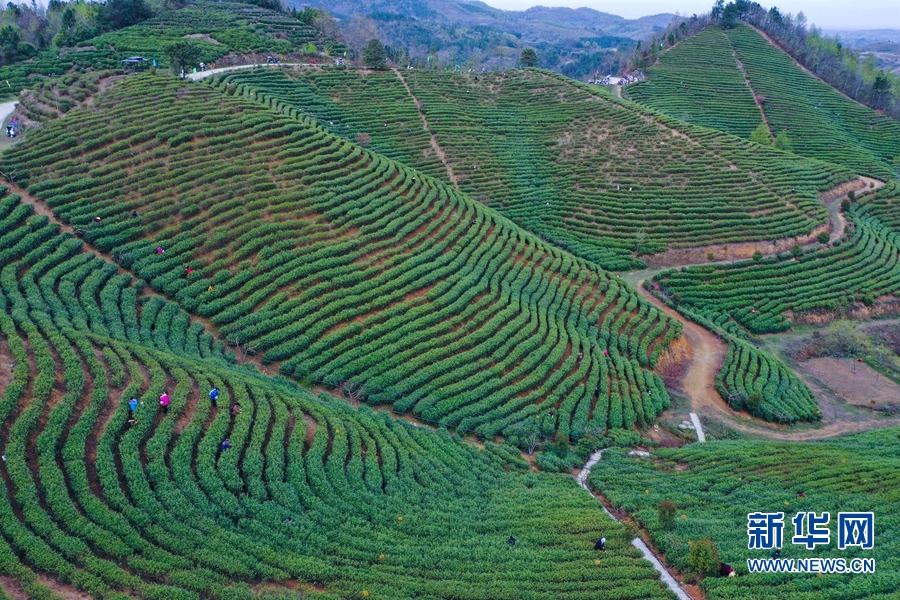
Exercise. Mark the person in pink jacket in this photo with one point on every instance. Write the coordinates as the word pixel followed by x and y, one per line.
pixel 164 402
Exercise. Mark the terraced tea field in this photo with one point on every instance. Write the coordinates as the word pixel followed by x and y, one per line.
pixel 343 267
pixel 217 28
pixel 698 81
pixel 716 485
pixel 311 495
pixel 764 297
pixel 228 30
pixel 747 369
pixel 435 244
pixel 599 177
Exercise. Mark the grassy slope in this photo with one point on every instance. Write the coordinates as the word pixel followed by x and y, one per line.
pixel 715 486
pixel 345 266
pixel 821 122
pixel 559 158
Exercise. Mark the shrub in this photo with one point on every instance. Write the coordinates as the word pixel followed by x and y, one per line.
pixel 754 402
pixel 665 514
pixel 703 557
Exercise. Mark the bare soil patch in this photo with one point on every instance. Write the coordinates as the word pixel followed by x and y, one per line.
pixel 7 364
pixel 11 588
pixel 853 381
pixel 202 36
pixel 63 590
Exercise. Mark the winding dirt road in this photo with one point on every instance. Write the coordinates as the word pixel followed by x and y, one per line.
pixel 699 385
pixel 708 355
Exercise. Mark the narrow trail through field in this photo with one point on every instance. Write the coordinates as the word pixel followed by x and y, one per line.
pixel 637 542
pixel 708 355
pixel 7 109
pixel 740 66
pixel 708 351
pixel 434 143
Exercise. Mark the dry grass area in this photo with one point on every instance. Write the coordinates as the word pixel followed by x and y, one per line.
pixel 853 381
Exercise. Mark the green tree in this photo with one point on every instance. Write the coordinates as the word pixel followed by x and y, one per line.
pixel 526 435
pixel 760 135
pixel 10 38
pixel 754 402
pixel 665 514
pixel 116 14
pixel 783 142
pixel 528 58
pixel 373 55
pixel 757 256
pixel 307 16
pixel 703 557
pixel 182 54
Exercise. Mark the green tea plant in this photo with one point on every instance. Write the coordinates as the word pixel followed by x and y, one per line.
pixel 309 492
pixel 338 265
pixel 599 177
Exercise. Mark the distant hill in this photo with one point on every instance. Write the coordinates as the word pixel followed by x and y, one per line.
pixel 859 38
pixel 883 44
pixel 573 41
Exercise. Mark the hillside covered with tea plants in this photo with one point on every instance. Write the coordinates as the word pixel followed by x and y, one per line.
pixel 408 289
pixel 714 487
pixel 232 32
pixel 297 495
pixel 338 265
pixel 735 80
pixel 588 172
pixel 764 295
